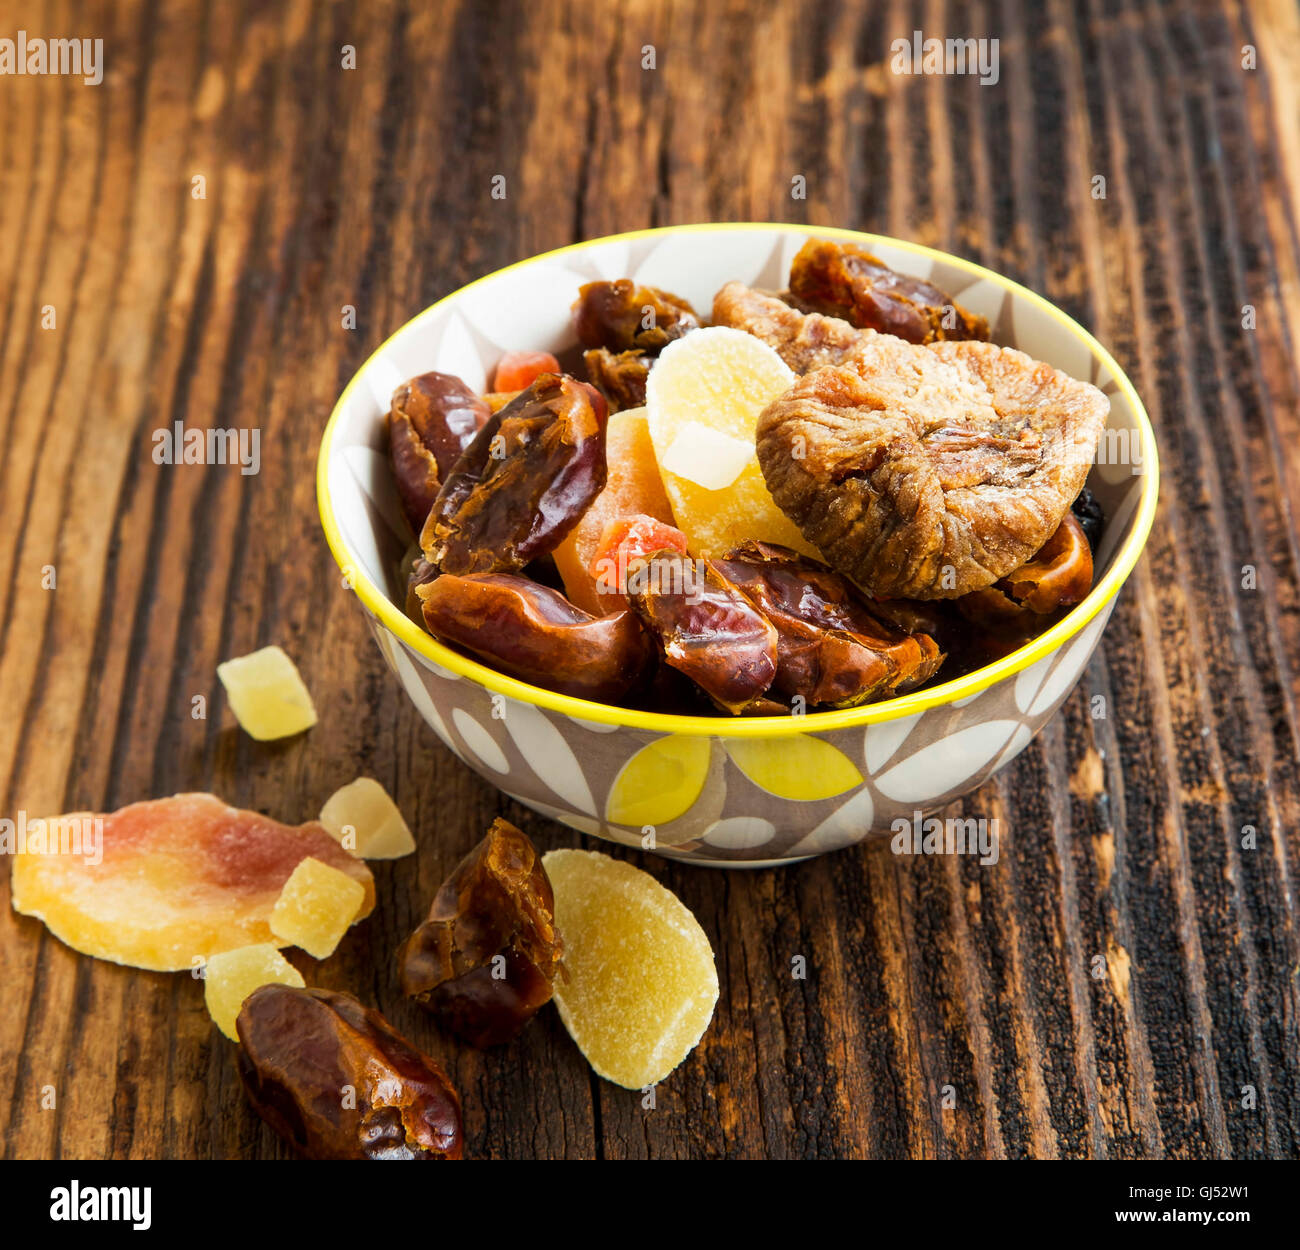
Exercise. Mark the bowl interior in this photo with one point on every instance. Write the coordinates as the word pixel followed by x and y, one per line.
pixel 526 307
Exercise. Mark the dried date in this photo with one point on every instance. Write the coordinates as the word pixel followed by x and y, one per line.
pixel 705 627
pixel 534 633
pixel 484 961
pixel 524 481
pixel 622 316
pixel 433 418
pixel 619 376
pixel 336 1081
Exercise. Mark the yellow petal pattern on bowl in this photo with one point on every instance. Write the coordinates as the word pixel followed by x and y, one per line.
pixel 660 782
pixel 795 768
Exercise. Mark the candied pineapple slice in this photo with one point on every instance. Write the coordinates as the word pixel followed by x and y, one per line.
pixel 366 821
pixel 174 880
pixel 267 695
pixel 703 399
pixel 315 908
pixel 638 984
pixel 632 487
pixel 231 976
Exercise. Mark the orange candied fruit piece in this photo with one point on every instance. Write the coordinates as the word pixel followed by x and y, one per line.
pixel 627 539
pixel 518 370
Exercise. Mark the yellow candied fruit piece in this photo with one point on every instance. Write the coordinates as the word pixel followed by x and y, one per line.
pixel 315 908
pixel 638 984
pixel 703 400
pixel 267 695
pixel 366 821
pixel 231 976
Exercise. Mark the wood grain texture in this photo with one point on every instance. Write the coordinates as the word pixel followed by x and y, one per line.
pixel 1126 973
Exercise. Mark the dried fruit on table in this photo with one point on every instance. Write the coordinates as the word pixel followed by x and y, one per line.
pixel 831 649
pixel 524 481
pixel 366 821
pixel 622 316
pixel 632 486
pixel 484 960
pixel 717 380
pixel 178 879
pixel 518 370
pixel 805 341
pixel 315 908
pixel 705 627
pixel 337 1081
pixel 930 472
pixel 229 977
pixel 640 983
pixel 534 633
pixel 626 540
pixel 433 418
pixel 846 281
pixel 619 376
pixel 267 694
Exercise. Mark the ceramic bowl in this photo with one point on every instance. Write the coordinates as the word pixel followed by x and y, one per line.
pixel 709 789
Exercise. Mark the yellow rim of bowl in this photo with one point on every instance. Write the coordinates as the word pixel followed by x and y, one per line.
pixel 394 619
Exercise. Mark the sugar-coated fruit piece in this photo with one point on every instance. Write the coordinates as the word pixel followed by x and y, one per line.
pixel 639 983
pixel 231 976
pixel 176 880
pixel 632 487
pixel 484 960
pixel 719 379
pixel 267 694
pixel 366 821
pixel 519 370
pixel 315 908
pixel 628 539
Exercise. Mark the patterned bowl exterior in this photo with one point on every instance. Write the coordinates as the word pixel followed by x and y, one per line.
pixel 715 791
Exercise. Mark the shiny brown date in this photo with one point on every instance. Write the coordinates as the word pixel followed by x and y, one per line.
pixel 336 1081
pixel 433 418
pixel 619 376
pixel 831 650
pixel 1059 574
pixel 534 633
pixel 840 280
pixel 622 316
pixel 484 960
pixel 523 483
pixel 705 627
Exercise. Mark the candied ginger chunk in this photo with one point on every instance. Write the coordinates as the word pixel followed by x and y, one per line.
pixel 703 399
pixel 366 821
pixel 231 976
pixel 639 983
pixel 315 908
pixel 172 879
pixel 267 694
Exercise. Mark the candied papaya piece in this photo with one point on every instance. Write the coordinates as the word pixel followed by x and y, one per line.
pixel 523 483
pixel 639 983
pixel 315 907
pixel 516 371
pixel 484 960
pixel 534 633
pixel 703 401
pixel 229 977
pixel 621 316
pixel 337 1081
pixel 831 648
pixel 431 421
pixel 705 627
pixel 267 694
pixel 173 880
pixel 842 280
pixel 626 540
pixel 632 487
pixel 366 821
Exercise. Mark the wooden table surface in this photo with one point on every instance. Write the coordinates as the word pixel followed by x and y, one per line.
pixel 1122 983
